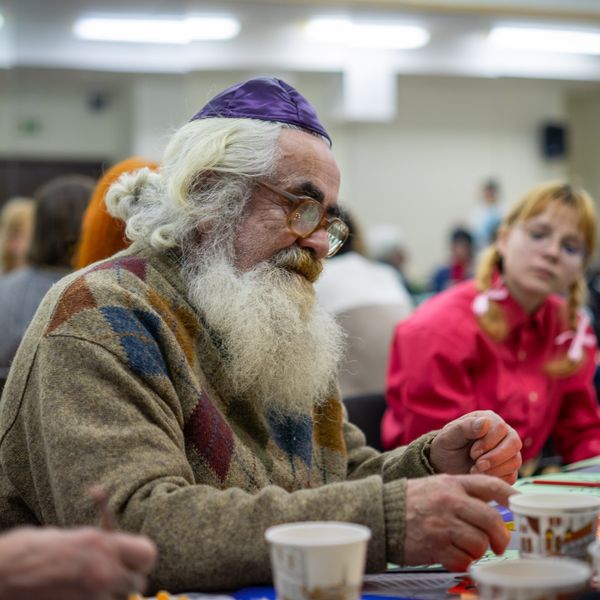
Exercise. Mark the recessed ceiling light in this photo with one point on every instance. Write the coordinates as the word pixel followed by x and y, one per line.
pixel 367 35
pixel 155 30
pixel 538 39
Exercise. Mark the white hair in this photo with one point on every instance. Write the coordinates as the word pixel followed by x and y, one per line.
pixel 205 180
pixel 279 346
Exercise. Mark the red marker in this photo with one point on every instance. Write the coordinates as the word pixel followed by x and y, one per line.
pixel 593 484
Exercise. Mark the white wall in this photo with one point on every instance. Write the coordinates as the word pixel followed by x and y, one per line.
pixel 64 124
pixel 584 139
pixel 421 171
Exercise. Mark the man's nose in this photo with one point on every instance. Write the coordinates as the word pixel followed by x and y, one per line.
pixel 318 242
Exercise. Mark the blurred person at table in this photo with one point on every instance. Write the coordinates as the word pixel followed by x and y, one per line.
pixel 514 340
pixel 460 262
pixel 84 563
pixel 368 301
pixel 193 375
pixel 103 235
pixel 385 243
pixel 16 221
pixel 58 210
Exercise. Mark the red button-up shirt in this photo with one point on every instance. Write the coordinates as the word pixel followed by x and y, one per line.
pixel 443 365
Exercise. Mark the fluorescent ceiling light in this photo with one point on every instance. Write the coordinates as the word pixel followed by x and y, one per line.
pixel 1 20
pixel 546 39
pixel 367 35
pixel 156 31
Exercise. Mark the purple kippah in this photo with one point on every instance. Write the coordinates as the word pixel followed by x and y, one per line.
pixel 266 99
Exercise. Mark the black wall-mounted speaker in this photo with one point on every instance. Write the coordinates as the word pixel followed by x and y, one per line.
pixel 554 138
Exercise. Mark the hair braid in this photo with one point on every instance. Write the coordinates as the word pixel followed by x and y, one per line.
pixel 564 366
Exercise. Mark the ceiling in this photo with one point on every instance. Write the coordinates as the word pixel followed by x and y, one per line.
pixel 37 34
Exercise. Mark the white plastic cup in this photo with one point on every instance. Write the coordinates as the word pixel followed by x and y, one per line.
pixel 531 579
pixel 555 524
pixel 318 559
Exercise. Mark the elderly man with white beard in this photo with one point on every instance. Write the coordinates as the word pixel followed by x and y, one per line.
pixel 193 375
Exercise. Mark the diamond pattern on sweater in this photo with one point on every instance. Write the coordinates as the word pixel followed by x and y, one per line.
pixel 329 419
pixel 294 435
pixel 209 434
pixel 138 333
pixel 76 297
pixel 133 264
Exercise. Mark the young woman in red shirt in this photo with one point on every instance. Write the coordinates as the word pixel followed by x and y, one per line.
pixel 515 340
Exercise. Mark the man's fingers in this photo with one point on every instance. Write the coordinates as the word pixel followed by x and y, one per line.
pixel 500 449
pixel 486 488
pixel 494 434
pixel 455 560
pixel 485 524
pixel 471 540
pixel 127 582
pixel 507 468
pixel 135 552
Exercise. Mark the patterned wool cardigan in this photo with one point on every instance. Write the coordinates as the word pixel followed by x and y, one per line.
pixel 120 382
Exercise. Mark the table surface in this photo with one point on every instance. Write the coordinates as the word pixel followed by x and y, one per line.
pixel 433 582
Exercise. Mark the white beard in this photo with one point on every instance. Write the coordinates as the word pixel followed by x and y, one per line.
pixel 280 344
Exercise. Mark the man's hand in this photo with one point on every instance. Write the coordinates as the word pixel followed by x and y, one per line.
pixel 478 442
pixel 77 564
pixel 448 519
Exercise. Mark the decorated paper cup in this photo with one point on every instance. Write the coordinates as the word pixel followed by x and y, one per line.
pixel 531 579
pixel 555 524
pixel 318 560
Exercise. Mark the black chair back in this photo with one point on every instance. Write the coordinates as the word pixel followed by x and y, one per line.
pixel 366 413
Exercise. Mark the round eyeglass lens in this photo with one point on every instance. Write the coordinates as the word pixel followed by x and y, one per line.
pixel 307 217
pixel 337 231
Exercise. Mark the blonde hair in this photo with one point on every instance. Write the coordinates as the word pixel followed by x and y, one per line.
pixel 16 219
pixel 535 201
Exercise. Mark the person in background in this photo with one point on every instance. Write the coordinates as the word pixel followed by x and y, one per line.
pixel 487 216
pixel 385 243
pixel 85 563
pixel 15 233
pixel 509 341
pixel 193 375
pixel 460 263
pixel 369 301
pixel 59 207
pixel 102 235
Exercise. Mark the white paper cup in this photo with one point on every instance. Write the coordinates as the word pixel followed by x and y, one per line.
pixel 318 560
pixel 531 579
pixel 555 524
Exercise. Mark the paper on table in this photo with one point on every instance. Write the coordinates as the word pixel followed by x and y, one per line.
pixel 527 486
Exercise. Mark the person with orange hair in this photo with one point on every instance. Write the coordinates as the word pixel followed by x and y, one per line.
pixel 103 235
pixel 514 340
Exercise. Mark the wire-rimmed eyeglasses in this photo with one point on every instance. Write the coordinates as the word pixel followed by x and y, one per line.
pixel 308 215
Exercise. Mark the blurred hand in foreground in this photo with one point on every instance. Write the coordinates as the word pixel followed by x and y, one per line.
pixel 75 564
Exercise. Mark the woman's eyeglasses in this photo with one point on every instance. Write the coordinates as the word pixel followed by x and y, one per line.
pixel 308 215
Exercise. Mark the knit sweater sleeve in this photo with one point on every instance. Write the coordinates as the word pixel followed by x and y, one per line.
pixel 84 418
pixel 407 461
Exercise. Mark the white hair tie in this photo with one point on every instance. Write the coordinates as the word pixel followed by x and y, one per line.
pixel 481 303
pixel 580 338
